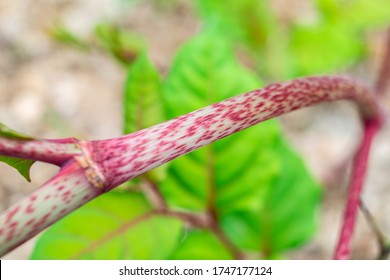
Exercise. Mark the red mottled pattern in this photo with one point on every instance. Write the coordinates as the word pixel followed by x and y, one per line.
pixel 68 190
pixel 51 151
pixel 118 160
pixel 127 157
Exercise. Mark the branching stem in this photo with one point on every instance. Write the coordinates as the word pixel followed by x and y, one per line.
pixel 118 160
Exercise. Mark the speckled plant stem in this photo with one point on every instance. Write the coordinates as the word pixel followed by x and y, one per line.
pixel 51 151
pixel 103 165
pixel 67 191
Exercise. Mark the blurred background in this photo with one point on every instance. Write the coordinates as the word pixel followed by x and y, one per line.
pixel 63 66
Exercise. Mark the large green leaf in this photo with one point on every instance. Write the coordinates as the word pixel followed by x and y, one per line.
pixel 238 175
pixel 23 166
pixel 324 47
pixel 114 226
pixel 287 216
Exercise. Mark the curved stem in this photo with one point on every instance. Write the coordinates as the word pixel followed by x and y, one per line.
pixel 106 164
pixel 126 157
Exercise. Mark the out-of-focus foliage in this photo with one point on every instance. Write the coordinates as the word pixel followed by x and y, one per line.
pixel 331 40
pixel 63 35
pixel 336 38
pixel 251 24
pixel 118 225
pixel 122 44
pixel 249 20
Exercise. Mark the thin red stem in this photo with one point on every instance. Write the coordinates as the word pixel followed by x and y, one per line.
pixel 358 176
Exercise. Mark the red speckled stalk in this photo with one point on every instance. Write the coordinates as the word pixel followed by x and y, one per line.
pixel 67 191
pixel 127 157
pixel 50 151
pixel 107 163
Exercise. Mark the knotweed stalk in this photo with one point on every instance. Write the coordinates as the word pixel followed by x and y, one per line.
pixel 98 166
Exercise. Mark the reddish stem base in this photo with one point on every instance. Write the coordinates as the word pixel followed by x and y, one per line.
pixel 371 127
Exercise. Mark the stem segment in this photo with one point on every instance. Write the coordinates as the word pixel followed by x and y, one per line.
pixel 358 175
pixel 51 151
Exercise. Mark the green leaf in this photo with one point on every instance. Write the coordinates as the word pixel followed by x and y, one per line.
pixel 288 215
pixel 337 39
pixel 113 226
pixel 238 175
pixel 201 245
pixel 7 132
pixel 23 166
pixel 324 48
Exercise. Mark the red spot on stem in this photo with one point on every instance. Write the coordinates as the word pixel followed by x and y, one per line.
pixel 11 214
pixel 30 209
